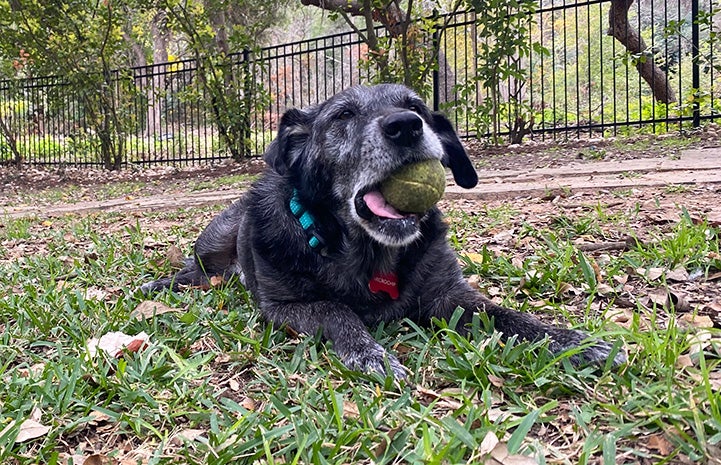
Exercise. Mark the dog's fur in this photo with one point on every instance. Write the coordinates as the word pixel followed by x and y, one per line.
pixel 333 154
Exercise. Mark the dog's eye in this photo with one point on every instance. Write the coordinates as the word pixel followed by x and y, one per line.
pixel 415 108
pixel 345 115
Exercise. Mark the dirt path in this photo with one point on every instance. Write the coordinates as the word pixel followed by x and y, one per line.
pixel 693 167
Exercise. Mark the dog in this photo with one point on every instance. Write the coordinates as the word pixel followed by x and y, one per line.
pixel 319 249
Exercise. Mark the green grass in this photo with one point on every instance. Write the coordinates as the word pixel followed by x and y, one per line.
pixel 254 394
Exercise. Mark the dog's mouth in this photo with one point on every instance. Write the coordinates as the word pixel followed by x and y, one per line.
pixel 385 222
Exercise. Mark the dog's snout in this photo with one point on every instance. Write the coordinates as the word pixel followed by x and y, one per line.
pixel 404 128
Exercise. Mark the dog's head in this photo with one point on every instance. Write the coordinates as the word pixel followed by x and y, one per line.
pixel 336 154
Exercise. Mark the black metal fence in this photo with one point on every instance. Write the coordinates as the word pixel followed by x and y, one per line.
pixel 579 82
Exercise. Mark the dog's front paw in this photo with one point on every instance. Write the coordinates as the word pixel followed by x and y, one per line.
pixel 593 352
pixel 372 358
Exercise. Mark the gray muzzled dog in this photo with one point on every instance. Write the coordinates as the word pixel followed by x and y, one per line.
pixel 319 249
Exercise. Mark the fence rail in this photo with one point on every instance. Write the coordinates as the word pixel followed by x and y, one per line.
pixel 579 82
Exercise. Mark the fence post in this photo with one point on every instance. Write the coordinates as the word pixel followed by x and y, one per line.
pixel 247 102
pixel 696 72
pixel 436 84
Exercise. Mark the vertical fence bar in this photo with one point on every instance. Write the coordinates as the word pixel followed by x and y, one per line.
pixel 435 79
pixel 695 68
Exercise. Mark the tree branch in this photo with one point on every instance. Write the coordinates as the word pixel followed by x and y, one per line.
pixel 621 30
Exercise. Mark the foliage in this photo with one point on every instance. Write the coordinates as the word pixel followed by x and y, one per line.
pixel 502 34
pixel 80 41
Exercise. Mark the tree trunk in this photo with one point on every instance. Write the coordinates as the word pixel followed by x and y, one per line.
pixel 621 30
pixel 12 143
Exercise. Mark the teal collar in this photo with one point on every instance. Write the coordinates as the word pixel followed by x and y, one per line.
pixel 307 221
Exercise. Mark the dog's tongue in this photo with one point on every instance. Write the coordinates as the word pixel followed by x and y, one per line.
pixel 378 205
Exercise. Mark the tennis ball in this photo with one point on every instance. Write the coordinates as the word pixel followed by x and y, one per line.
pixel 415 188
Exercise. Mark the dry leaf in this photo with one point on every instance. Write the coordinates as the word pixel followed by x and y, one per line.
pixel 77 459
pixel 683 361
pixel 31 429
pixel 714 379
pixel 689 320
pixel 475 281
pixel 495 380
pixel 149 308
pixel 234 385
pixel 248 404
pixel 678 274
pixel 668 298
pixel 94 293
pixel 186 435
pixel 490 441
pixel 98 459
pixel 350 409
pixel 604 289
pixel 659 443
pixel 475 257
pixel 500 456
pixel 175 257
pixel 495 414
pixel 98 417
pixel 216 281
pixel 115 343
pixel 698 341
pixel 380 449
pixel 35 370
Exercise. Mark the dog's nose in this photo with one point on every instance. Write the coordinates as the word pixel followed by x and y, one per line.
pixel 404 128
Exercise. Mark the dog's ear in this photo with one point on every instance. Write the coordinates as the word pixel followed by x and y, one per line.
pixel 455 158
pixel 293 132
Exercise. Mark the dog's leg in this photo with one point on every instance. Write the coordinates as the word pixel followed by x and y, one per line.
pixel 510 322
pixel 339 324
pixel 215 253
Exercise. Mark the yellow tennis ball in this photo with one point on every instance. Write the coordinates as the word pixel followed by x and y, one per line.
pixel 415 188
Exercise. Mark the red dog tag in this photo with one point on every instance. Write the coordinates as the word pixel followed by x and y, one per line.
pixel 384 282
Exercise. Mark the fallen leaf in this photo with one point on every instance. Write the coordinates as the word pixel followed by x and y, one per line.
pixel 94 293
pixel 659 443
pixel 697 321
pixel 490 441
pixel 76 459
pixel 31 429
pixel 495 380
pixel 475 257
pixel 500 456
pixel 216 281
pixel 714 379
pixel 98 459
pixel 186 435
pixel 678 274
pixel 115 343
pixel 698 341
pixel 149 308
pixel 380 449
pixel 604 289
pixel 668 298
pixel 249 404
pixel 652 274
pixel 350 409
pixel 475 281
pixel 98 417
pixel 175 257
pixel 35 370
pixel 683 361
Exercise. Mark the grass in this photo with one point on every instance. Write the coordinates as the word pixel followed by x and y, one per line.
pixel 215 385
